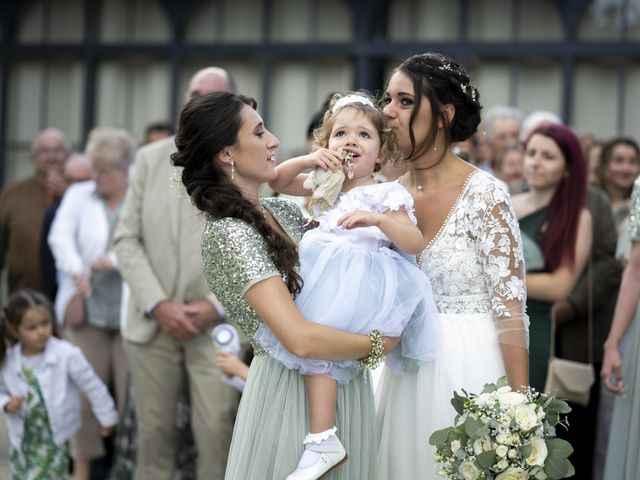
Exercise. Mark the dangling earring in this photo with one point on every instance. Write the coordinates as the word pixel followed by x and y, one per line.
pixel 233 169
pixel 435 149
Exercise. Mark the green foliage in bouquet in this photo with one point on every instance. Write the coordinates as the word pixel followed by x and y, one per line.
pixel 504 435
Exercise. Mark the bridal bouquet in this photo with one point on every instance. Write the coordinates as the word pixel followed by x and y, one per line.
pixel 504 435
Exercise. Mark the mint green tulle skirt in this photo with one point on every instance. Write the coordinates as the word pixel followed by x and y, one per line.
pixel 623 461
pixel 273 420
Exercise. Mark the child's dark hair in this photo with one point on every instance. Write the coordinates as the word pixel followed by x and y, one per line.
pixel 11 315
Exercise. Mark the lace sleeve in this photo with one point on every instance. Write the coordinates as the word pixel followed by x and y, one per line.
pixel 500 251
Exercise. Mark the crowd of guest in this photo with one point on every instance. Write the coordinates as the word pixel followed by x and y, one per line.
pixel 106 235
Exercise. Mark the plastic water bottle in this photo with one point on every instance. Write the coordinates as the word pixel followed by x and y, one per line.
pixel 225 338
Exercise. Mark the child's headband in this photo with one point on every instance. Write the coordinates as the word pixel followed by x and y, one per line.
pixel 349 99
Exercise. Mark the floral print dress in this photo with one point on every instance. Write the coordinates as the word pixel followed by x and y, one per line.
pixel 39 458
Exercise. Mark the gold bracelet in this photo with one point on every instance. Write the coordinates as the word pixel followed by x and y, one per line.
pixel 375 357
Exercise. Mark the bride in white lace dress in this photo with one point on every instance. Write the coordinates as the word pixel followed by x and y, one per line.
pixel 473 258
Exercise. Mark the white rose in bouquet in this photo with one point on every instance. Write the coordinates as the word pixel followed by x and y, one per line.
pixel 502 451
pixel 482 445
pixel 538 452
pixel 511 398
pixel 526 417
pixel 455 446
pixel 486 399
pixel 513 474
pixel 469 471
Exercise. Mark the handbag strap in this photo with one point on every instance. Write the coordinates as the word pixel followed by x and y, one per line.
pixel 552 349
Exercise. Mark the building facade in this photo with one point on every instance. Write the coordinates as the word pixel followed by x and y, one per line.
pixel 75 64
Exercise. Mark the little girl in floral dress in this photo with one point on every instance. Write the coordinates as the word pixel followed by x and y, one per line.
pixel 40 384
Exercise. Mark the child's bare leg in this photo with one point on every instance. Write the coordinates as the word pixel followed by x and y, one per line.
pixel 322 448
pixel 322 393
pixel 81 469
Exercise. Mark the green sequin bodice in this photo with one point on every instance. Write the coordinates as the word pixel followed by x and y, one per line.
pixel 235 257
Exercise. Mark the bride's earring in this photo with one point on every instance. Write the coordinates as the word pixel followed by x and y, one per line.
pixel 233 169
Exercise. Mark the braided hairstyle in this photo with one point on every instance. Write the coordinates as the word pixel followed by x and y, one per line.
pixel 208 124
pixel 11 315
pixel 442 81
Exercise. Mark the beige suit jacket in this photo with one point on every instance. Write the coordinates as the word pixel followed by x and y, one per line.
pixel 157 241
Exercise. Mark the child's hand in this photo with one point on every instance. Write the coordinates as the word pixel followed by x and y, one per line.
pixel 325 159
pixel 101 264
pixel 14 405
pixel 359 218
pixel 106 431
pixel 232 365
pixel 82 284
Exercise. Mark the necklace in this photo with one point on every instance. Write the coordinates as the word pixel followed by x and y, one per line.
pixel 418 185
pixel 428 167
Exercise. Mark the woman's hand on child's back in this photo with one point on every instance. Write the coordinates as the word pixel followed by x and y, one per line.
pixel 14 405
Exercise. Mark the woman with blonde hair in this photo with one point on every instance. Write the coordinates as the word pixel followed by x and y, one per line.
pixel 91 291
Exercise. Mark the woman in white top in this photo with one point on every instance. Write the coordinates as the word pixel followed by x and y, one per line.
pixel 90 280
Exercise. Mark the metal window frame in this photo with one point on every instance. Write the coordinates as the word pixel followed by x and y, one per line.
pixel 368 52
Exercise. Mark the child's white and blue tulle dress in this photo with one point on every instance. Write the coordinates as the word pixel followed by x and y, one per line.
pixel 354 281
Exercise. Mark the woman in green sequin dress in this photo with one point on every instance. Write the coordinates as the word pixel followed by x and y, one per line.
pixel 556 228
pixel 623 378
pixel 250 258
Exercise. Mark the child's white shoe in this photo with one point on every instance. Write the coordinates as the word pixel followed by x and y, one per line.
pixel 328 452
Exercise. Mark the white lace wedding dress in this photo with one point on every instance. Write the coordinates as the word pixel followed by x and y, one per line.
pixel 476 270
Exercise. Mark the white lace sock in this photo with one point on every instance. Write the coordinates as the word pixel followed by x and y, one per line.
pixel 309 457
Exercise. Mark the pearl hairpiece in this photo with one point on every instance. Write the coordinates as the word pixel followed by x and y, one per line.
pixel 349 99
pixel 466 87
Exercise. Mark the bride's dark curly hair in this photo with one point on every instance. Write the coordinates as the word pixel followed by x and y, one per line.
pixel 208 124
pixel 442 80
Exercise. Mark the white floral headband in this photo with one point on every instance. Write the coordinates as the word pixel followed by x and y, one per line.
pixel 349 99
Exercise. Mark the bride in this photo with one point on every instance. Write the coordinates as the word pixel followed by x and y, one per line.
pixel 473 258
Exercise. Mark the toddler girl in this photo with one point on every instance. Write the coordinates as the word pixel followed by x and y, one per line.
pixel 352 279
pixel 40 385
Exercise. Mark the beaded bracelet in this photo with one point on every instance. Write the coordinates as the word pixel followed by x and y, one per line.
pixel 376 355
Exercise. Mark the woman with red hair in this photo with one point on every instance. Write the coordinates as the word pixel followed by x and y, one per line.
pixel 556 230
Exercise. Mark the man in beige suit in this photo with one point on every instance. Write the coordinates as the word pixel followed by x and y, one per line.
pixel 171 312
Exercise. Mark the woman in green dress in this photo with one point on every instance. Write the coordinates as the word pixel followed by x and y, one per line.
pixel 250 258
pixel 623 462
pixel 556 231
